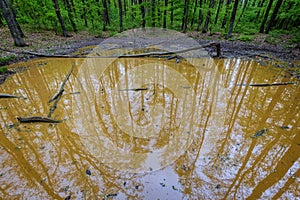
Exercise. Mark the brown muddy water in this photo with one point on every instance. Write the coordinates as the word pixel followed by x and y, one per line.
pixel 141 128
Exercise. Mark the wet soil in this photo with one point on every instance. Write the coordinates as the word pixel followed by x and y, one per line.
pixel 52 44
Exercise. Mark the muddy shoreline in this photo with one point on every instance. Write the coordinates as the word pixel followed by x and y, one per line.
pixel 229 49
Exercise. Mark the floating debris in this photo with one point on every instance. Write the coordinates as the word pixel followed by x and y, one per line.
pixel 259 133
pixel 37 119
pixel 163 184
pixel 284 127
pixel 9 96
pixel 88 172
pixel 174 188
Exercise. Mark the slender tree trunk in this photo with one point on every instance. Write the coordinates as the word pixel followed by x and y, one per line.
pixel 12 23
pixel 165 14
pixel 105 15
pixel 60 19
pixel 194 12
pixel 121 15
pixel 172 13
pixel 143 13
pixel 244 8
pixel 200 17
pixel 83 16
pixel 263 23
pixel 273 16
pixel 208 16
pixel 236 2
pixel 153 12
pixel 125 7
pixel 70 15
pixel 1 21
pixel 185 16
pixel 226 13
pixel 218 11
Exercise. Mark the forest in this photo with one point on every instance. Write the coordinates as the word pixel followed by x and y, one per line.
pixel 245 17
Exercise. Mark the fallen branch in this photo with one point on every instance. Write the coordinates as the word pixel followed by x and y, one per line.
pixel 40 54
pixel 174 52
pixel 2 95
pixel 37 119
pixel 59 93
pixel 269 84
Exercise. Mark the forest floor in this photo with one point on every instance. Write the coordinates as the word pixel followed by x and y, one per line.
pixel 48 42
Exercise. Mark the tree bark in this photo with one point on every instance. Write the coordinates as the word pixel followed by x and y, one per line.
pixel 185 17
pixel 106 20
pixel 200 17
pixel 121 15
pixel 274 14
pixel 262 26
pixel 165 14
pixel 226 13
pixel 208 16
pixel 143 13
pixel 12 23
pixel 70 15
pixel 60 19
pixel 153 12
pixel 236 2
pixel 218 10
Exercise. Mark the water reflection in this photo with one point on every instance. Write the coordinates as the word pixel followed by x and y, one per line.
pixel 149 129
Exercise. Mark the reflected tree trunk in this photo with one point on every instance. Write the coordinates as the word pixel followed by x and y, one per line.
pixel 60 19
pixel 12 23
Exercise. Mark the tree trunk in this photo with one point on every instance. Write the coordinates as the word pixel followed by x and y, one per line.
pixel 172 13
pixel 244 8
pixel 262 26
pixel 60 19
pixel 236 2
pixel 226 13
pixel 70 15
pixel 153 12
pixel 105 15
pixel 165 14
pixel 143 13
pixel 207 20
pixel 121 15
pixel 185 16
pixel 218 10
pixel 200 17
pixel 194 12
pixel 12 23
pixel 274 14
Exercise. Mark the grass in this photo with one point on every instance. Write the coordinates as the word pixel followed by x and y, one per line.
pixel 3 69
pixel 6 59
pixel 245 38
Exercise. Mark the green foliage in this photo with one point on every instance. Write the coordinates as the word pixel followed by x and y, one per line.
pixel 88 15
pixel 245 38
pixel 6 59
pixel 271 40
pixel 3 69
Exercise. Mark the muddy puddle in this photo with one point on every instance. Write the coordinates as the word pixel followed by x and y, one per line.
pixel 148 128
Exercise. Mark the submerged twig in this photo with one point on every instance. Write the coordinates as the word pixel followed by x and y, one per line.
pixel 135 89
pixel 268 84
pixel 37 119
pixel 56 97
pixel 2 95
